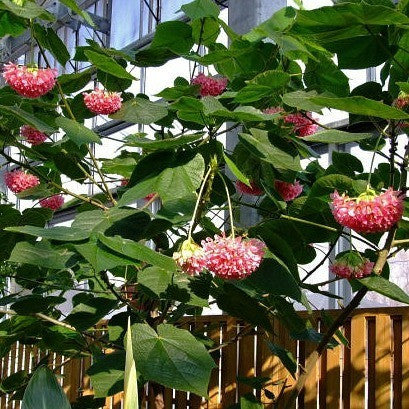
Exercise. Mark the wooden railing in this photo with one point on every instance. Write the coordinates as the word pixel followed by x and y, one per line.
pixel 372 373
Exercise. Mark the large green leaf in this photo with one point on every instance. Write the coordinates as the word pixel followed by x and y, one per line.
pixel 141 111
pixel 11 25
pixel 200 9
pixel 107 374
pixel 164 144
pixel 360 106
pixel 258 143
pixel 383 286
pixel 107 64
pixel 285 356
pixel 59 233
pixel 335 136
pixel 44 392
pixel 175 36
pixel 78 133
pixel 138 251
pixel 41 254
pixel 30 10
pixel 75 81
pixel 28 118
pixel 172 357
pixel 176 177
pixel 165 284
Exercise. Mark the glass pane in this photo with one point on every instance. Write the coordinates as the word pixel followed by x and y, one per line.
pixel 125 22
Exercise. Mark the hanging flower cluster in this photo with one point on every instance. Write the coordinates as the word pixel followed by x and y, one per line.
pixel 18 181
pixel 30 82
pixel 402 101
pixel 253 189
pixel 288 191
pixel 303 124
pixel 352 265
pixel 368 213
pixel 53 202
pixel 273 110
pixel 102 102
pixel 230 258
pixel 210 86
pixel 32 135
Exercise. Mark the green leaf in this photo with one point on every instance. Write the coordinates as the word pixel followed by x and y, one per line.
pixel 404 86
pixel 205 31
pixel 131 400
pixel 78 133
pixel 200 9
pixel 250 402
pixel 44 392
pixel 11 25
pixel 259 144
pixel 89 310
pixel 138 251
pixel 175 177
pixel 165 284
pixel 102 258
pixel 286 357
pixel 59 233
pixel 40 254
pixel 175 36
pixel 164 144
pixel 72 4
pixel 235 170
pixel 172 357
pixel 141 111
pixel 107 374
pixel 335 136
pixel 27 118
pixel 107 64
pixel 30 10
pixel 75 81
pixel 360 106
pixel 302 100
pixel 383 286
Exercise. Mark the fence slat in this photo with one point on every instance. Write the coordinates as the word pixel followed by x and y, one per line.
pixel 229 363
pixel 371 325
pixel 214 333
pixel 246 359
pixel 333 378
pixel 357 386
pixel 397 361
pixel 405 360
pixel 383 355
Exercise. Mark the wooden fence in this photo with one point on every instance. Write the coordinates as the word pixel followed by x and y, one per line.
pixel 373 373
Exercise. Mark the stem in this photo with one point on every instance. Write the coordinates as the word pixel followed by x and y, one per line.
pixel 373 156
pixel 230 206
pixel 195 211
pixel 296 219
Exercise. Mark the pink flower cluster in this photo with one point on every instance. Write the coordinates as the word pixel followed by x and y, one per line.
pixel 352 265
pixel 402 101
pixel 303 124
pixel 232 258
pixel 288 191
pixel 149 197
pixel 52 202
pixel 273 110
pixel 30 82
pixel 369 213
pixel 226 257
pixel 102 102
pixel 210 85
pixel 18 181
pixel 32 135
pixel 253 189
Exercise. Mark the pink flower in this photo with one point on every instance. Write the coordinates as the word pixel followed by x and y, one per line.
pixel 303 125
pixel 253 189
pixel 32 135
pixel 190 258
pixel 52 202
pixel 232 258
pixel 352 265
pixel 210 85
pixel 124 182
pixel 30 82
pixel 402 101
pixel 103 102
pixel 369 213
pixel 273 110
pixel 288 191
pixel 18 181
